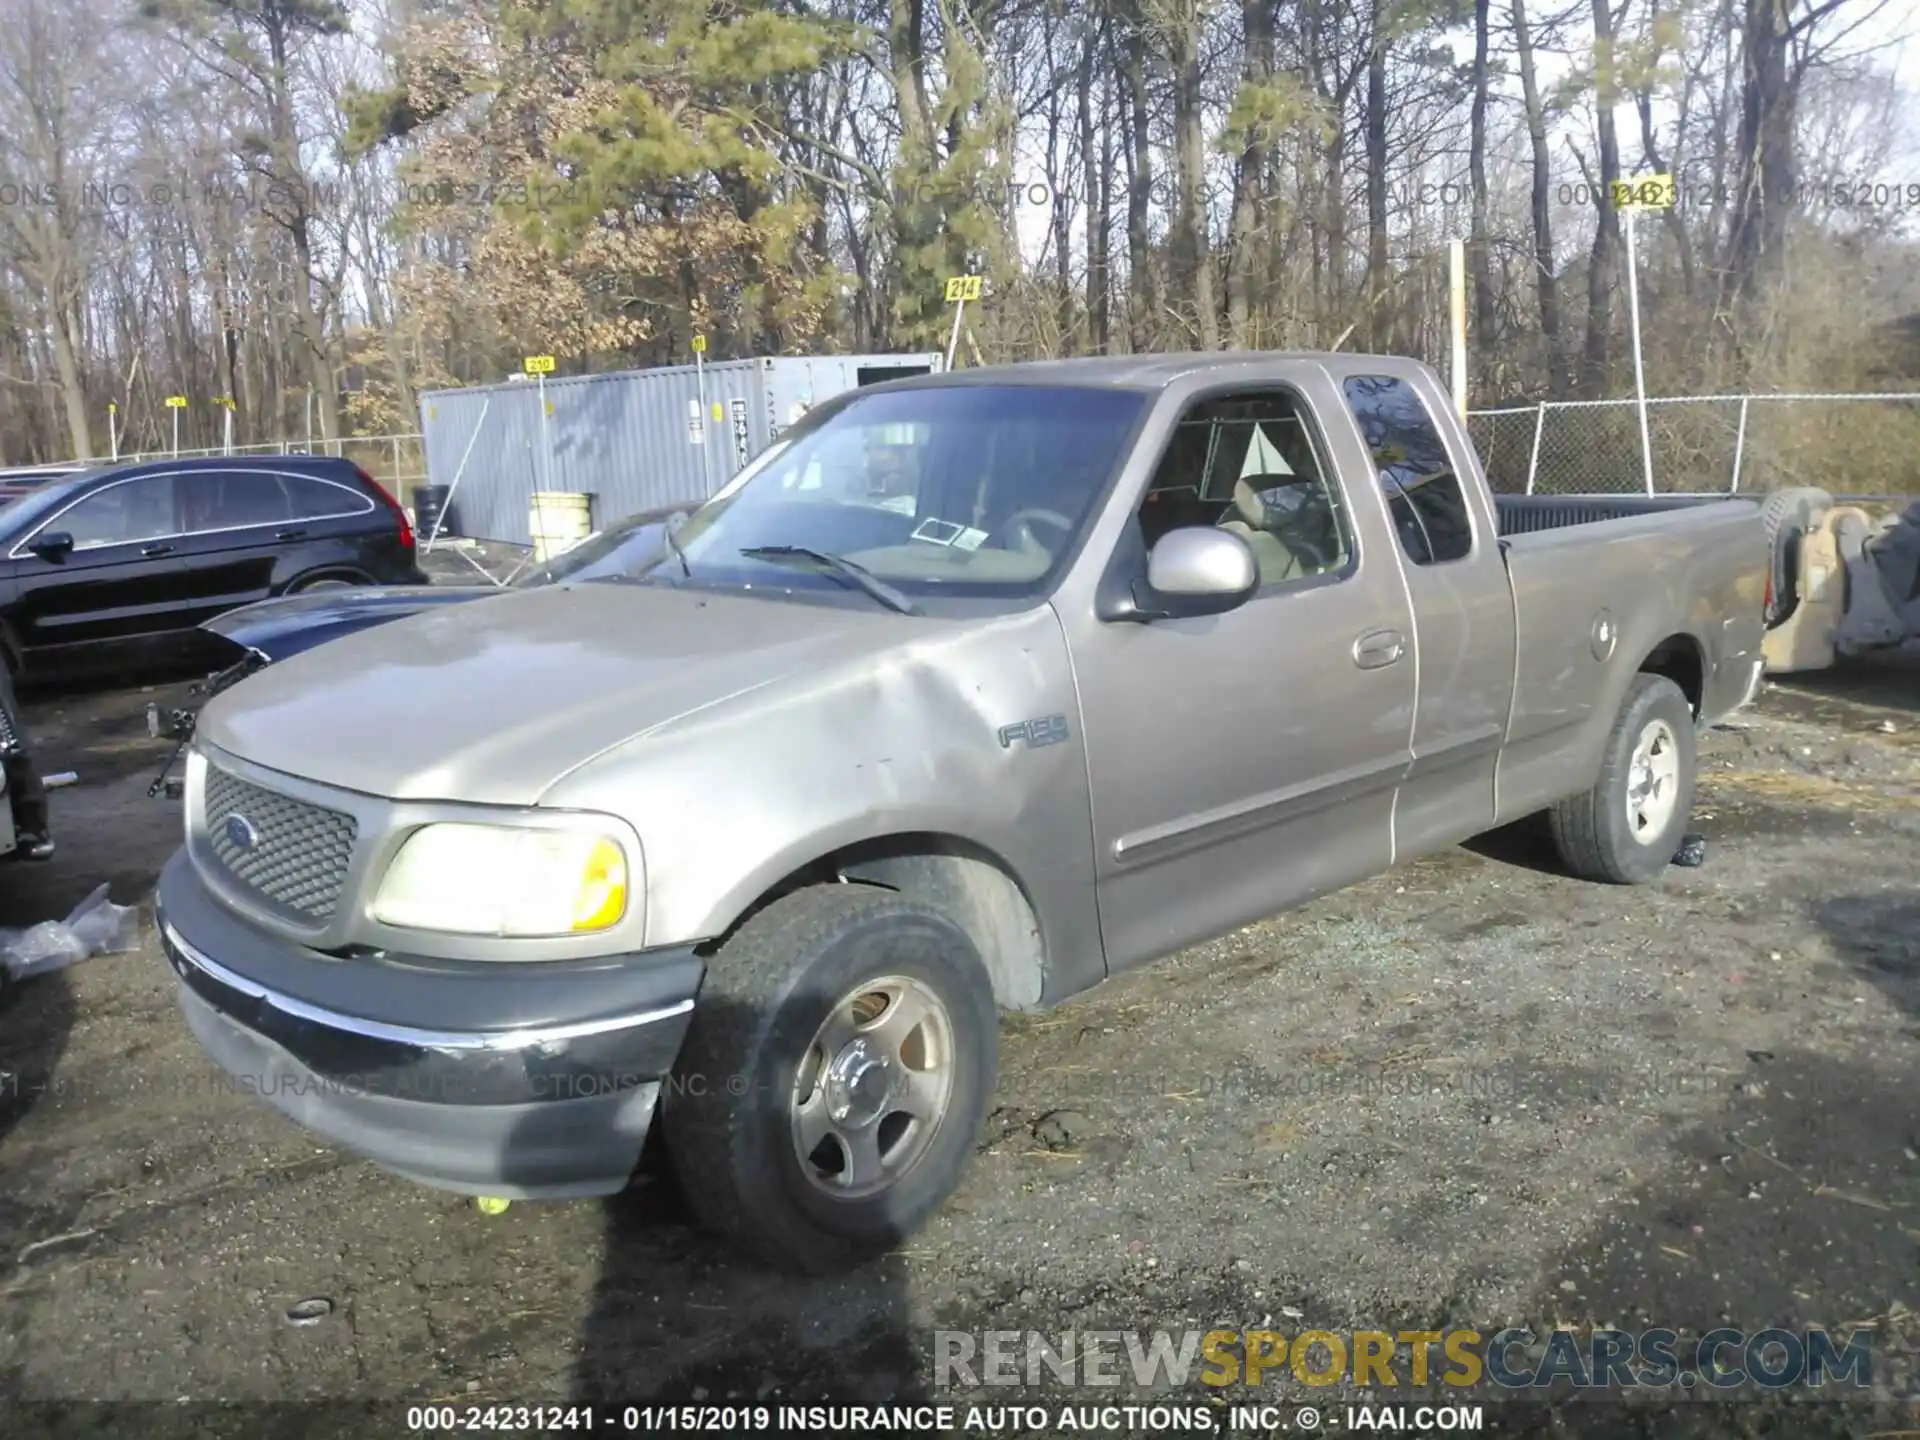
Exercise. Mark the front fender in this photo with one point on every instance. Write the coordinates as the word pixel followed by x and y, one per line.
pixel 733 801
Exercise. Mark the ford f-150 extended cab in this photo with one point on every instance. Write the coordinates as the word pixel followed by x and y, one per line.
pixel 966 694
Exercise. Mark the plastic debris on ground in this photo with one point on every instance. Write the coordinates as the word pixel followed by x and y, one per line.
pixel 96 926
pixel 1692 852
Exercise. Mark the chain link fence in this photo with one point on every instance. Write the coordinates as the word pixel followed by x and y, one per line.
pixel 1867 444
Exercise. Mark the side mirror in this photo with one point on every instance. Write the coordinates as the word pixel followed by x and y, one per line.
pixel 54 545
pixel 1197 570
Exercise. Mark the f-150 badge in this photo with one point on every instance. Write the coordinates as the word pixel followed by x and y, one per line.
pixel 1047 730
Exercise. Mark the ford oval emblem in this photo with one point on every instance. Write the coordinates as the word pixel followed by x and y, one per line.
pixel 240 833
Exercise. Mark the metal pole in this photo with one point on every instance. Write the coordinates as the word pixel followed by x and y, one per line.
pixel 1457 296
pixel 1739 447
pixel 176 432
pixel 458 471
pixel 546 465
pixel 309 419
pixel 1533 461
pixel 226 421
pixel 706 451
pixel 1639 371
pixel 113 429
pixel 953 340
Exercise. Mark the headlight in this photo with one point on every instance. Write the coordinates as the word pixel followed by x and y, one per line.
pixel 499 880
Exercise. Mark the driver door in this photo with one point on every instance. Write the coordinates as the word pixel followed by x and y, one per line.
pixel 1242 762
pixel 121 587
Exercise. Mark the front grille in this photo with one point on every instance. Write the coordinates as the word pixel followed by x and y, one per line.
pixel 300 853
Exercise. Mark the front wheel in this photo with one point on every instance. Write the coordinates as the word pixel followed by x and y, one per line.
pixel 1625 830
pixel 836 1074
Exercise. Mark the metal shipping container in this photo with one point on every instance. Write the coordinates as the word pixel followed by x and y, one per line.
pixel 632 440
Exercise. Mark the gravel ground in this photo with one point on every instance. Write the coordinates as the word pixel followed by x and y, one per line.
pixel 1471 1092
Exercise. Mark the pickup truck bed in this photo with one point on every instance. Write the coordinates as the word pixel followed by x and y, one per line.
pixel 1528 514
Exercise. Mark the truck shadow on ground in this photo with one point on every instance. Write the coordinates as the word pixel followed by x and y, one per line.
pixel 1886 679
pixel 1796 1205
pixel 680 1317
pixel 1878 937
pixel 1788 1208
pixel 1525 844
pixel 751 1337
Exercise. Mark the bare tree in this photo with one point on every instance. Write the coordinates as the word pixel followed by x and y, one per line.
pixel 254 47
pixel 1486 310
pixel 1546 275
pixel 57 115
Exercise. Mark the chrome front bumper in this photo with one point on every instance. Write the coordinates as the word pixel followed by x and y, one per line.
pixel 481 1079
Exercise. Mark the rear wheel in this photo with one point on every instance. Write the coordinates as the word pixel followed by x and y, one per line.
pixel 836 1074
pixel 1625 830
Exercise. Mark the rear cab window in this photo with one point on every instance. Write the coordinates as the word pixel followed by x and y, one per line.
pixel 1423 495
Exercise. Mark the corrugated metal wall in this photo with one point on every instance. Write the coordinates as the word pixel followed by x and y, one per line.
pixel 633 440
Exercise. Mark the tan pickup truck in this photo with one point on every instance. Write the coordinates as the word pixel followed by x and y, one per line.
pixel 968 693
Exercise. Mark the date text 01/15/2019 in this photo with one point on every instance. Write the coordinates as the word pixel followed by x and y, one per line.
pixel 1824 195
pixel 679 1419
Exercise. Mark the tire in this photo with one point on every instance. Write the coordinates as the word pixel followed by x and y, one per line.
pixel 1788 515
pixel 325 582
pixel 729 1111
pixel 1593 831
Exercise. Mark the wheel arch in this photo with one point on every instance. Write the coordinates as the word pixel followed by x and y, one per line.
pixel 970 882
pixel 351 574
pixel 1682 659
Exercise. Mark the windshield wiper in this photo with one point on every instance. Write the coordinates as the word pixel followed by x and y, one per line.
pixel 673 544
pixel 859 574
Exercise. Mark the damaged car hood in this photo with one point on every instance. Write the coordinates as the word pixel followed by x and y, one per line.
pixel 493 703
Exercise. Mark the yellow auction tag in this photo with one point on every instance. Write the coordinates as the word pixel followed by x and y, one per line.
pixel 539 364
pixel 1644 192
pixel 699 344
pixel 963 287
pixel 176 402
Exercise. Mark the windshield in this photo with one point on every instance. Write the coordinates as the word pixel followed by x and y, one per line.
pixel 624 548
pixel 965 491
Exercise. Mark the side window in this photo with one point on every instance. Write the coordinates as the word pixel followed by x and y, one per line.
pixel 1423 495
pixel 124 514
pixel 1247 463
pixel 231 500
pixel 317 500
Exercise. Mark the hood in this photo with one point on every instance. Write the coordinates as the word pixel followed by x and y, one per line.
pixel 292 623
pixel 493 703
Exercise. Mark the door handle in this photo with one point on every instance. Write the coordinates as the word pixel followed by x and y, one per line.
pixel 156 549
pixel 1377 648
pixel 290 534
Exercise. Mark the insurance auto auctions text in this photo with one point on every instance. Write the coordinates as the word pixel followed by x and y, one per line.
pixel 1066 1419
